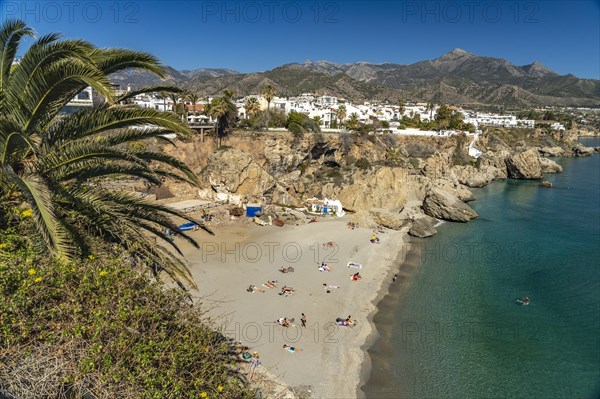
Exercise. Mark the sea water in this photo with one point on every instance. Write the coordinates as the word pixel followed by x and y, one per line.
pixel 454 330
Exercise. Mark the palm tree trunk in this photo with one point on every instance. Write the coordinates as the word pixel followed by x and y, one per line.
pixel 217 133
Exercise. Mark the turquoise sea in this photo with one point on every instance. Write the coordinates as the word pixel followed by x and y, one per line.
pixel 450 327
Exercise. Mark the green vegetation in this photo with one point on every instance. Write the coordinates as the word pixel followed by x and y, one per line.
pixel 298 124
pixel 98 328
pixel 223 109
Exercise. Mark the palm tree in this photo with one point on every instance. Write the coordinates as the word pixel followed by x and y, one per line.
pixel 268 93
pixel 353 122
pixel 193 98
pixel 59 167
pixel 340 113
pixel 401 108
pixel 217 108
pixel 430 108
pixel 252 107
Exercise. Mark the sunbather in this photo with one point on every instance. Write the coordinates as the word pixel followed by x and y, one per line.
pixel 291 349
pixel 286 290
pixel 270 284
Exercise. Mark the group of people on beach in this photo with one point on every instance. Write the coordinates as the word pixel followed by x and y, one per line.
pixel 352 225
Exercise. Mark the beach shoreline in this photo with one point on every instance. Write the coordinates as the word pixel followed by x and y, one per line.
pixel 331 360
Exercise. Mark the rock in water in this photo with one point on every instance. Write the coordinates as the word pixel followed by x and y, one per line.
pixel 524 165
pixel 444 205
pixel 549 166
pixel 582 151
pixel 552 151
pixel 546 183
pixel 423 227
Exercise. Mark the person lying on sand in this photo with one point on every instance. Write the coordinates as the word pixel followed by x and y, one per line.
pixel 328 288
pixel 285 289
pixel 270 284
pixel 283 269
pixel 291 349
pixel 284 322
pixel 325 268
pixel 253 288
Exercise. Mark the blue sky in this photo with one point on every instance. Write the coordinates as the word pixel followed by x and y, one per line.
pixel 259 35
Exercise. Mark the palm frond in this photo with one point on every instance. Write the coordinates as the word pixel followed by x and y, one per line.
pixel 11 33
pixel 145 90
pixel 114 60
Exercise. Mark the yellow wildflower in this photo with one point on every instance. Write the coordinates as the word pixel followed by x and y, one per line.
pixel 91 257
pixel 26 213
pixel 3 245
pixel 220 388
pixel 37 280
pixel 103 273
pixel 203 395
pixel 31 272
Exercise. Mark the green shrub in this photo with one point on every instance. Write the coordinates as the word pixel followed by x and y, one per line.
pixel 363 163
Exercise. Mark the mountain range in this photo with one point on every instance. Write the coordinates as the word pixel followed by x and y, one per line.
pixel 457 77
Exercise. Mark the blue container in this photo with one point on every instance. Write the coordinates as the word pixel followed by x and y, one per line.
pixel 252 210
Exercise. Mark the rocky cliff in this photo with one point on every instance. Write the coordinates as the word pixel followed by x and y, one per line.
pixel 389 180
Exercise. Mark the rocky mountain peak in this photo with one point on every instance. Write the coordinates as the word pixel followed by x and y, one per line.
pixel 538 69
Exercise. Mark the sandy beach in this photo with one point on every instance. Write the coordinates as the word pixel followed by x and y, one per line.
pixel 329 358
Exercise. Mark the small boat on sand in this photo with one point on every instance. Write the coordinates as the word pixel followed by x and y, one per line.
pixel 190 226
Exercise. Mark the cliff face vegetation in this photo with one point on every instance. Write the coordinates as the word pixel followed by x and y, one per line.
pixel 391 180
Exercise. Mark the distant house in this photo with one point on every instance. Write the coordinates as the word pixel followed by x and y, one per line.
pixel 324 207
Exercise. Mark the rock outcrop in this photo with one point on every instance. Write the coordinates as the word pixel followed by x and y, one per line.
pixel 473 177
pixel 582 151
pixel 386 188
pixel 497 162
pixel 552 151
pixel 233 171
pixel 423 227
pixel 549 166
pixel 442 204
pixel 524 165
pixel 390 220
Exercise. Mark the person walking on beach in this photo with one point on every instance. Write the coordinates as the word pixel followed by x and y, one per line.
pixel 395 277
pixel 303 320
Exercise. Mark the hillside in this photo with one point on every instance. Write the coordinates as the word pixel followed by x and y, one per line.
pixel 457 77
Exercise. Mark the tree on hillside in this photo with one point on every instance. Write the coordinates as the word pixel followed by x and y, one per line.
pixel 430 108
pixel 55 170
pixel 193 98
pixel 353 122
pixel 442 117
pixel 268 93
pixel 225 113
pixel 401 108
pixel 340 114
pixel 252 107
